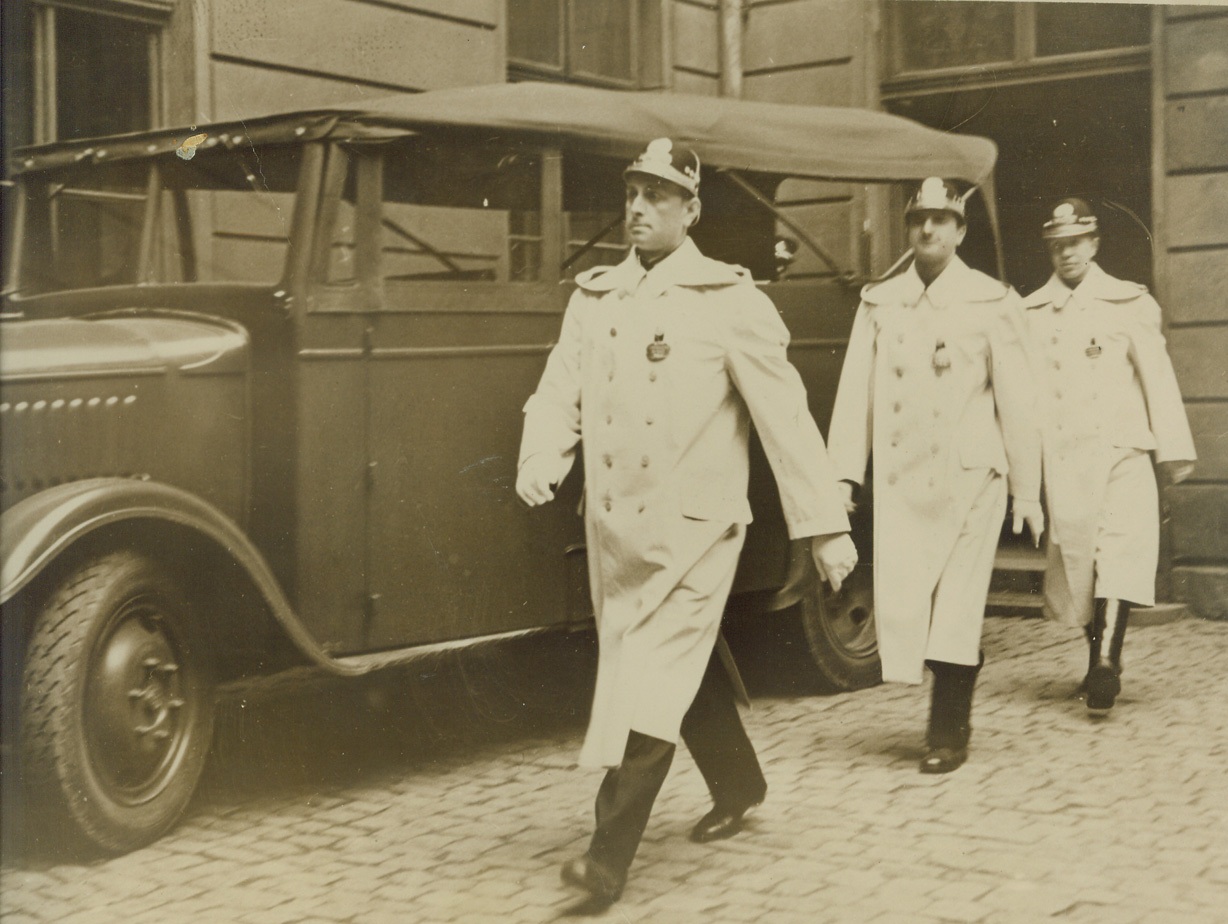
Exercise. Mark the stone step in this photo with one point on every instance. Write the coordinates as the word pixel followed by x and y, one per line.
pixel 1159 615
pixel 1013 559
pixel 1031 604
pixel 1014 601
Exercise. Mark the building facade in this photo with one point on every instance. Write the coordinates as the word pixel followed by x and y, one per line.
pixel 1123 104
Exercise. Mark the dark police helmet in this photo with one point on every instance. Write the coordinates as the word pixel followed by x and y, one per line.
pixel 1070 218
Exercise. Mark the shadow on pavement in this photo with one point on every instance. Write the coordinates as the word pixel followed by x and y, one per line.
pixel 295 735
pixel 323 733
pixel 301 734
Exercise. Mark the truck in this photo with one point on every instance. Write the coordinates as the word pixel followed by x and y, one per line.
pixel 261 387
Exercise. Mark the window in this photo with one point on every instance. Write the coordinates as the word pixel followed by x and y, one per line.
pixel 86 69
pixel 139 221
pixel 1070 28
pixel 940 34
pixel 84 230
pixel 614 43
pixel 462 210
pixel 430 209
pixel 937 35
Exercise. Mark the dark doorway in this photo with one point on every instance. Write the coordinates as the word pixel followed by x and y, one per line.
pixel 1086 136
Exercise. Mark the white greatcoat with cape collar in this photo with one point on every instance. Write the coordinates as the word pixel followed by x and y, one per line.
pixel 937 383
pixel 1107 387
pixel 665 445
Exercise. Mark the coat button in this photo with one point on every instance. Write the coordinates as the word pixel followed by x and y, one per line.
pixel 935 448
pixel 644 462
pixel 899 372
pixel 897 407
pixel 895 440
pixel 608 460
pixel 1057 364
pixel 609 418
pixel 641 507
pixel 899 339
pixel 611 375
pixel 613 331
pixel 648 420
pixel 1057 394
pixel 652 376
pixel 608 505
pixel 891 479
pixel 1054 340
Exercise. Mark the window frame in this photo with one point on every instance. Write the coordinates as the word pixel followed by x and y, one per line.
pixel 646 45
pixel 1025 64
pixel 368 291
pixel 155 14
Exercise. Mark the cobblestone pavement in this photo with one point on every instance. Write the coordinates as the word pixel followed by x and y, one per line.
pixel 447 793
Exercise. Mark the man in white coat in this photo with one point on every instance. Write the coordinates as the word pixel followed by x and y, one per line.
pixel 662 364
pixel 1109 399
pixel 937 384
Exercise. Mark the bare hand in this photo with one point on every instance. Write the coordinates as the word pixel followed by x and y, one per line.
pixel 1029 512
pixel 537 479
pixel 834 556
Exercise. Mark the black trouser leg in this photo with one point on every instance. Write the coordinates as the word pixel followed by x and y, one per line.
pixel 950 724
pixel 713 732
pixel 625 801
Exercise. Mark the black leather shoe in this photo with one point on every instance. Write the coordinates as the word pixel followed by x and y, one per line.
pixel 719 824
pixel 943 760
pixel 1103 685
pixel 603 886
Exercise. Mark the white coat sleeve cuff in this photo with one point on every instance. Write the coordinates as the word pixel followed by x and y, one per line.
pixel 820 526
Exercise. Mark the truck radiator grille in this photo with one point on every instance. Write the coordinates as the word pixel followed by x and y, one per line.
pixel 50 441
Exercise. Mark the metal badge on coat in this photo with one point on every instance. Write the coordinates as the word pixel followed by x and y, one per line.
pixel 1093 350
pixel 658 349
pixel 941 358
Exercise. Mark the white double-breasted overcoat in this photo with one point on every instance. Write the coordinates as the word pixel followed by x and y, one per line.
pixel 1109 397
pixel 665 445
pixel 937 384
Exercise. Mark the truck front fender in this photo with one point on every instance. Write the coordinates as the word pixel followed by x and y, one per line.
pixel 40 528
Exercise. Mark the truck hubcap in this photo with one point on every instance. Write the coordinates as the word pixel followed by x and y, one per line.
pixel 850 617
pixel 134 703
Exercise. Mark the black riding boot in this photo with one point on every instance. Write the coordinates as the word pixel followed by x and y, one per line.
pixel 950 724
pixel 1093 653
pixel 1104 668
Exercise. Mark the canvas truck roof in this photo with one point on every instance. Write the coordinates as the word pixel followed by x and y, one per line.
pixel 812 141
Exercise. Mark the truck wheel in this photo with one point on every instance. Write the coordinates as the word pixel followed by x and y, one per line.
pixel 117 705
pixel 840 632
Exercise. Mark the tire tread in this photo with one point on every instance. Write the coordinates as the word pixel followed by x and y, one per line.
pixel 52 672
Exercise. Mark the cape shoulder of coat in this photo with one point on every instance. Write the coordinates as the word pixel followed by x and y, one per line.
pixel 960 280
pixel 1098 285
pixel 686 267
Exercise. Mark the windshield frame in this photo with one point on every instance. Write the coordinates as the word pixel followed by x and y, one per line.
pixel 168 214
